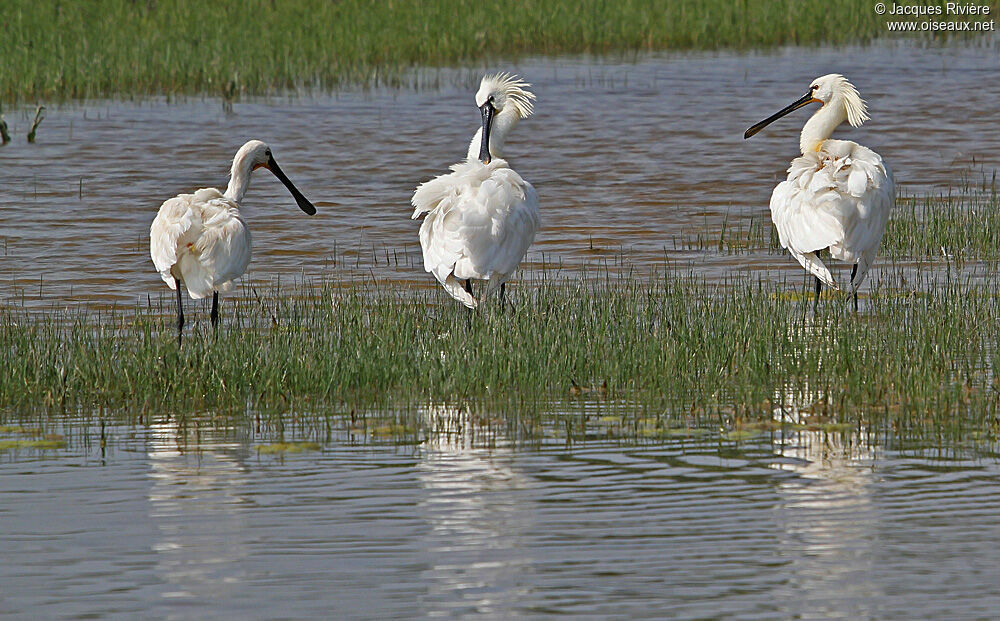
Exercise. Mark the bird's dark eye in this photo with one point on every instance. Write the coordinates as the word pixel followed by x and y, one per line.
pixel 491 100
pixel 814 87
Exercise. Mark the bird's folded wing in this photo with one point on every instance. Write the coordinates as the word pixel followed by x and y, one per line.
pixel 513 229
pixel 202 238
pixel 177 223
pixel 877 201
pixel 223 250
pixel 430 194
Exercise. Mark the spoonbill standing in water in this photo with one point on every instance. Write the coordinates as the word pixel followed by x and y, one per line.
pixel 481 217
pixel 838 194
pixel 200 240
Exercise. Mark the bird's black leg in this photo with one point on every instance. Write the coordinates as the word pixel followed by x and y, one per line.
pixel 215 309
pixel 819 287
pixel 468 316
pixel 503 296
pixel 854 271
pixel 180 312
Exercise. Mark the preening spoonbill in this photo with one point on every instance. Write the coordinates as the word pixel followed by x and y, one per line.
pixel 200 240
pixel 481 217
pixel 838 194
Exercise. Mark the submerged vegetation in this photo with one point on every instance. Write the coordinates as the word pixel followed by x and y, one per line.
pixel 123 47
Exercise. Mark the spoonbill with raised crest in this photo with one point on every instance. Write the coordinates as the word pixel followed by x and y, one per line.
pixel 200 240
pixel 481 217
pixel 838 194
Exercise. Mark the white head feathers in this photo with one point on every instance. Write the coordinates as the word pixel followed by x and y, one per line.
pixel 841 102
pixel 510 99
pixel 506 90
pixel 835 87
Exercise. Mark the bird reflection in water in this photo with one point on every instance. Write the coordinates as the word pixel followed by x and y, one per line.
pixel 195 502
pixel 477 560
pixel 829 522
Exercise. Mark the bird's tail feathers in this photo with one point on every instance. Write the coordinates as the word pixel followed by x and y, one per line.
pixel 455 289
pixel 168 278
pixel 195 276
pixel 815 266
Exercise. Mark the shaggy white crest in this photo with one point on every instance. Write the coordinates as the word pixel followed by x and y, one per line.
pixel 506 89
pixel 832 87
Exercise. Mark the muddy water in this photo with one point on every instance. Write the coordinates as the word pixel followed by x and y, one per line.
pixel 628 157
pixel 163 522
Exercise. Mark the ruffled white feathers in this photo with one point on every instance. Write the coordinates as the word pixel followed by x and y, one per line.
pixel 836 198
pixel 201 240
pixel 481 219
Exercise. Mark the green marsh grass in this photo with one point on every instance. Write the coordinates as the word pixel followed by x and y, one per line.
pixel 961 224
pixel 60 50
pixel 658 355
pixel 669 349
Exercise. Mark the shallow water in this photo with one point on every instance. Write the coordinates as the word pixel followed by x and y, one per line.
pixel 164 522
pixel 632 157
pixel 158 521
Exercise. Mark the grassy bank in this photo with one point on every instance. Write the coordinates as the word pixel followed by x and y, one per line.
pixel 123 47
pixel 669 346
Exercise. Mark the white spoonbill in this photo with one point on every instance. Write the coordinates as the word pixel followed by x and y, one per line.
pixel 481 217
pixel 200 240
pixel 838 194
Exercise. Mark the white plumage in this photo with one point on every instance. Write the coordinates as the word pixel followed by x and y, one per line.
pixel 838 198
pixel 838 194
pixel 480 220
pixel 482 217
pixel 201 241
